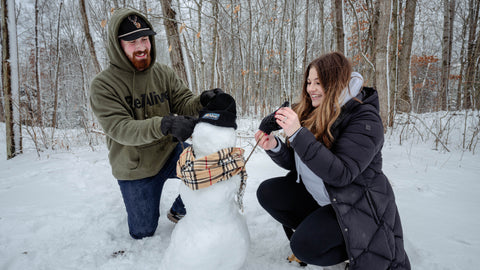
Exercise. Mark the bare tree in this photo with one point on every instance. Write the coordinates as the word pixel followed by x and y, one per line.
pixel 37 69
pixel 88 36
pixel 305 49
pixel 393 62
pixel 254 50
pixel 214 44
pixel 339 30
pixel 322 26
pixel 55 100
pixel 383 11
pixel 10 78
pixel 448 20
pixel 405 52
pixel 173 37
pixel 472 54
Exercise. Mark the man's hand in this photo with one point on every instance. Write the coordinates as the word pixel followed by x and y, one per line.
pixel 208 95
pixel 180 127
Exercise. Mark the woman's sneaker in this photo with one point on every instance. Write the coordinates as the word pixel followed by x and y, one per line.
pixel 174 216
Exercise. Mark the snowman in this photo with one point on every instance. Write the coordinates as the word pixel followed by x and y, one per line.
pixel 214 233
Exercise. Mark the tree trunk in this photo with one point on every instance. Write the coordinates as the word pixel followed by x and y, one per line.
pixel 339 31
pixel 10 78
pixel 283 68
pixel 382 17
pixel 214 44
pixel 448 19
pixel 322 27
pixel 88 36
pixel 202 82
pixel 462 61
pixel 471 57
pixel 305 49
pixel 393 63
pixel 55 100
pixel 404 103
pixel 250 91
pixel 477 71
pixel 293 54
pixel 37 71
pixel 173 38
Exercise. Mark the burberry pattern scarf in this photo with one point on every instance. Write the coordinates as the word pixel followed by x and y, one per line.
pixel 211 169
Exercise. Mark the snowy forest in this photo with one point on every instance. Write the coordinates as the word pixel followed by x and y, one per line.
pixel 422 56
pixel 61 207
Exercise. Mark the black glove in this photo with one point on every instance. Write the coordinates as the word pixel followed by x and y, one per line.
pixel 269 123
pixel 181 127
pixel 208 95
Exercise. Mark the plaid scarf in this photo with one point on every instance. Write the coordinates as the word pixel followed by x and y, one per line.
pixel 211 169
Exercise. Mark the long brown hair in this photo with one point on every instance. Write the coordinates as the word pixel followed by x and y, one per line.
pixel 334 71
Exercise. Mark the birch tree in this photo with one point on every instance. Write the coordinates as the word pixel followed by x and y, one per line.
pixel 37 68
pixel 10 78
pixel 448 20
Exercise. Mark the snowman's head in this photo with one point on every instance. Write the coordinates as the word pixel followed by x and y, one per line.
pixel 216 126
pixel 208 139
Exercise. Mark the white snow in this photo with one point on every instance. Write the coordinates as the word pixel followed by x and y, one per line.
pixel 63 209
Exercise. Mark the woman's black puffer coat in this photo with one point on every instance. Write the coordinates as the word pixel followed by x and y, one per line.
pixel 360 193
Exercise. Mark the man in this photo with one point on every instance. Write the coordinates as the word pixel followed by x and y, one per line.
pixel 145 110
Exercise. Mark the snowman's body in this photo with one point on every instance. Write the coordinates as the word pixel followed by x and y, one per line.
pixel 213 234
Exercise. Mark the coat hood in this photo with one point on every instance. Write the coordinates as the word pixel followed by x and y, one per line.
pixel 114 49
pixel 368 96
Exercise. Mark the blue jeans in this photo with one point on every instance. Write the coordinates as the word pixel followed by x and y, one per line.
pixel 142 198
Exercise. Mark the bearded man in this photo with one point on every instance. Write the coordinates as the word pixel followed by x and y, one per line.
pixel 146 112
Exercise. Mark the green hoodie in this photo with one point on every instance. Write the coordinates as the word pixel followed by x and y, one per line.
pixel 130 104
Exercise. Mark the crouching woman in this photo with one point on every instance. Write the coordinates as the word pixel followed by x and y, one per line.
pixel 335 203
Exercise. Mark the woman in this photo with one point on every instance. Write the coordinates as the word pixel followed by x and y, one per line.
pixel 335 203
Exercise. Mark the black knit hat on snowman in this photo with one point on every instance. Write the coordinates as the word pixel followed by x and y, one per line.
pixel 220 111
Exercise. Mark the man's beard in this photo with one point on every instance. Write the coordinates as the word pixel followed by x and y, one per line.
pixel 141 64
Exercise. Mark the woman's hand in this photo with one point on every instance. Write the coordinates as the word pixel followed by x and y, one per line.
pixel 267 142
pixel 288 120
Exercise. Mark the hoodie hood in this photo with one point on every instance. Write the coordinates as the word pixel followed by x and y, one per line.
pixel 354 87
pixel 367 95
pixel 114 49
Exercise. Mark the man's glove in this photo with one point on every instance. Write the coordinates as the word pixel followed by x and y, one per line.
pixel 269 123
pixel 208 95
pixel 181 127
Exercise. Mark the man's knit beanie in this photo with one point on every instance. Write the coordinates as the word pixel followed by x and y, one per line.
pixel 220 111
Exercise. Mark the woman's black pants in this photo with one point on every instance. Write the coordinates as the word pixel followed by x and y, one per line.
pixel 314 233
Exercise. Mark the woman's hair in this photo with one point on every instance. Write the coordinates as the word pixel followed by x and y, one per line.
pixel 334 71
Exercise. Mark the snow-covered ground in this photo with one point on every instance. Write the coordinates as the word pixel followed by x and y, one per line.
pixel 63 209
